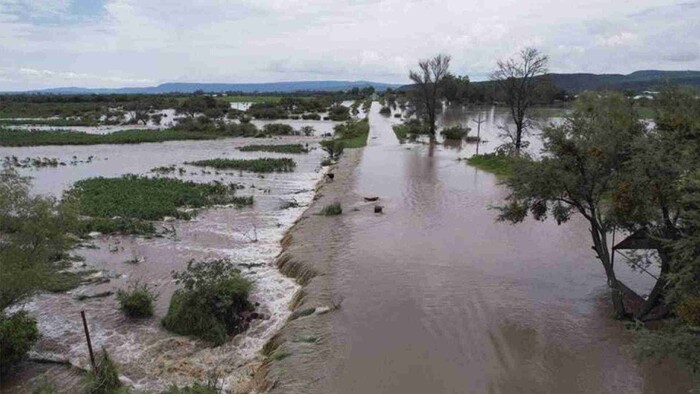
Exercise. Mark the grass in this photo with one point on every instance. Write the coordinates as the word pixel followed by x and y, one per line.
pixel 122 226
pixel 104 378
pixel 253 165
pixel 501 165
pixel 137 301
pixel 196 388
pixel 333 209
pixel 290 148
pixel 259 99
pixel 138 197
pixel 352 134
pixel 37 138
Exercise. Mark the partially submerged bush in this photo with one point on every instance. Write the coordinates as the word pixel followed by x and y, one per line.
pixel 689 311
pixel 18 333
pixel 332 209
pixel 278 129
pixel 386 111
pixel 104 378
pixel 455 133
pixel 210 302
pixel 137 301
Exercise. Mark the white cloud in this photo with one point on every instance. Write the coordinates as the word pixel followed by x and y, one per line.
pixel 133 41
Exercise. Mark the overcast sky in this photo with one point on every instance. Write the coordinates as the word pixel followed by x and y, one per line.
pixel 110 43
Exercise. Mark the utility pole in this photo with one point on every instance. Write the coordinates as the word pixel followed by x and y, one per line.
pixel 478 121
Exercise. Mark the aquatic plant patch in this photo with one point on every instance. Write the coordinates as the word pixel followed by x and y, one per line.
pixel 253 165
pixel 61 137
pixel 290 148
pixel 139 197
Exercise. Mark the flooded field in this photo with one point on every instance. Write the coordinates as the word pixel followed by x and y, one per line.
pixel 151 358
pixel 438 297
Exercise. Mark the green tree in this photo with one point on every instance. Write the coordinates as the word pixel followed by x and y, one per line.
pixel 581 165
pixel 649 197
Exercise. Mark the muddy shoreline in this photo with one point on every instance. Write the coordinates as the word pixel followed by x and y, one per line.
pixel 296 357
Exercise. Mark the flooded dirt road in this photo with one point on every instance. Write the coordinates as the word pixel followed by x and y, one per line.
pixel 439 298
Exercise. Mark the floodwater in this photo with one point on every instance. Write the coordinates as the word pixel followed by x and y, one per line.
pixel 150 357
pixel 439 298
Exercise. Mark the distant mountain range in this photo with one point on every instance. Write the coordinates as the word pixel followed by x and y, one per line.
pixel 270 87
pixel 639 80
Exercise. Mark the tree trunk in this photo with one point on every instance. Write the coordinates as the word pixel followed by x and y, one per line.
pixel 600 246
pixel 656 295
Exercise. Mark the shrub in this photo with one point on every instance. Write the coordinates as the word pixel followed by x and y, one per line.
pixel 332 209
pixel 352 134
pixel 455 133
pixel 137 301
pixel 278 129
pixel 254 165
pixel 18 333
pixel 338 113
pixel 307 130
pixel 104 378
pixel 689 311
pixel 210 303
pixel 386 111
pixel 313 116
pixel 334 148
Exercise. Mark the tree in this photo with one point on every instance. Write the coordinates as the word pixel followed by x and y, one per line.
pixel 517 79
pixel 429 79
pixel 649 197
pixel 581 165
pixel 456 88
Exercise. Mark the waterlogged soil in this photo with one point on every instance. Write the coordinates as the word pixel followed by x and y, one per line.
pixel 150 357
pixel 439 297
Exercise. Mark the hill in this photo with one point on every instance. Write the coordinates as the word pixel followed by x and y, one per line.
pixel 179 87
pixel 639 80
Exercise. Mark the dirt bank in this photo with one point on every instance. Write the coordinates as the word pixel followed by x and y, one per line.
pixel 296 356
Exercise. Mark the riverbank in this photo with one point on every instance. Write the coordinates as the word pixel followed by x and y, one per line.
pixel 295 355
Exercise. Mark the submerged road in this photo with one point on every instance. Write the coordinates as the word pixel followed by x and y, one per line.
pixel 439 298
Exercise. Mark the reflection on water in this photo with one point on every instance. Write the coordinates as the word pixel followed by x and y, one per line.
pixel 441 298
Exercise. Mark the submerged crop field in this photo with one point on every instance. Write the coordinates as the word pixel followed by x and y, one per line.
pixel 253 165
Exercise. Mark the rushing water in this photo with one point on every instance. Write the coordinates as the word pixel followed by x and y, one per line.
pixel 149 356
pixel 438 297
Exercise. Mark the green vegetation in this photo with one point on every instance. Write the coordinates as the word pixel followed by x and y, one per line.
pixel 501 165
pixel 409 130
pixel 351 134
pixel 210 302
pixel 455 133
pixel 55 137
pixel 339 113
pixel 289 148
pixel 386 111
pixel 115 225
pixel 18 333
pixel 278 129
pixel 137 301
pixel 253 165
pixel 253 99
pixel 137 197
pixel 104 378
pixel 333 209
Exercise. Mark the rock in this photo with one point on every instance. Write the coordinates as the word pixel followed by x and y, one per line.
pixel 94 234
pixel 322 309
pixel 370 199
pixel 168 219
pixel 378 209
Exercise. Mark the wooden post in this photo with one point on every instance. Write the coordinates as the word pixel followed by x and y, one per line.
pixel 87 336
pixel 478 131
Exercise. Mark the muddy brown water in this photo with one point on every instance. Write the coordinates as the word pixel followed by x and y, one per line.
pixel 439 298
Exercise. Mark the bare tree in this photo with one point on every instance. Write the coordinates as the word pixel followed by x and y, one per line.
pixel 517 79
pixel 428 80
